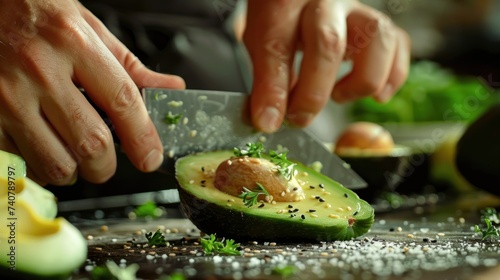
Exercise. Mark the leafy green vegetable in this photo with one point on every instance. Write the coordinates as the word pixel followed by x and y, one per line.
pixel 111 271
pixel 285 167
pixel 212 246
pixel 488 216
pixel 285 271
pixel 253 150
pixel 431 93
pixel 157 239
pixel 250 197
pixel 148 209
pixel 172 119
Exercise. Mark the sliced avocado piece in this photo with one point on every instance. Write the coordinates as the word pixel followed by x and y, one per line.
pixel 35 244
pixel 328 211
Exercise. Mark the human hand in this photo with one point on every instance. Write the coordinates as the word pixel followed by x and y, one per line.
pixel 47 50
pixel 327 31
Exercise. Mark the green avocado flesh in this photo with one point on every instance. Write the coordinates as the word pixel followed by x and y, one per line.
pixel 339 215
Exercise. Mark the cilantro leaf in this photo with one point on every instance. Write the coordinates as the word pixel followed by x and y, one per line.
pixel 253 150
pixel 212 246
pixel 157 239
pixel 250 197
pixel 488 216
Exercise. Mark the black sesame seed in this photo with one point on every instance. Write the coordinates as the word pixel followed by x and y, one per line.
pixel 203 168
pixel 355 213
pixel 293 215
pixel 346 195
pixel 312 187
pixel 391 229
pixel 312 210
pixel 290 211
pixel 434 240
pixel 295 210
pixel 203 181
pixel 295 189
pixel 425 239
pixel 290 206
pixel 317 197
pixel 303 217
pixel 322 186
pixel 321 200
pixel 262 205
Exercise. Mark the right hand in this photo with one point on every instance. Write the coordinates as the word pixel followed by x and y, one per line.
pixel 47 50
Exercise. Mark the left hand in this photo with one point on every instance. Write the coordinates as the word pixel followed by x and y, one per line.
pixel 327 31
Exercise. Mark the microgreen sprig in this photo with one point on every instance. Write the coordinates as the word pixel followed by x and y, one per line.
pixel 253 150
pixel 157 239
pixel 250 196
pixel 210 246
pixel 489 216
pixel 285 166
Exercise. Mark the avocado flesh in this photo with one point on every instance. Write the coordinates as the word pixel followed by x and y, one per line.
pixel 342 215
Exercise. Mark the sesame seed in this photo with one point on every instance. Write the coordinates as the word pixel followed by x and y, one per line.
pixel 203 169
pixel 303 217
pixel 399 229
pixel 312 210
pixel 228 204
pixel 312 187
pixel 314 215
pixel 328 205
pixel 340 209
pixel 440 234
pixel 98 248
pixel 104 228
pixel 295 210
pixel 295 189
pixel 346 195
pixel 293 215
pixel 355 213
pixel 262 205
pixel 272 244
pixel 333 216
pixel 171 255
pixel 321 200
pixel 317 197
pixel 203 181
pixel 410 235
pixel 290 206
pixel 322 186
pixel 348 208
pixel 280 211
pixel 324 254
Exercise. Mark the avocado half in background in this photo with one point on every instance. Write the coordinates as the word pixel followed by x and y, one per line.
pixel 322 210
pixel 34 244
pixel 370 151
pixel 478 152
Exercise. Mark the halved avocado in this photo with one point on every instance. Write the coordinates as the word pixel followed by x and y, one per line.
pixel 328 212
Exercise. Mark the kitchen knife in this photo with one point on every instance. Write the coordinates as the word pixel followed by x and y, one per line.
pixel 191 121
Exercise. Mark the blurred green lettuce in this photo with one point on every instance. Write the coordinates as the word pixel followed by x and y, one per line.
pixel 431 93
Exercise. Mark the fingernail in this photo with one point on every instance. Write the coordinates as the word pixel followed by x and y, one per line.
pixel 386 94
pixel 153 160
pixel 269 120
pixel 300 119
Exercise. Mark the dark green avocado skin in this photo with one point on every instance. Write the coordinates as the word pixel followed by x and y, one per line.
pixel 478 152
pixel 211 218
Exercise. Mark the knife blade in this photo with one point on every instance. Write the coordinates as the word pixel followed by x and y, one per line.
pixel 190 121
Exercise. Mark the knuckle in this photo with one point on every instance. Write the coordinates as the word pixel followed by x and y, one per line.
pixel 144 137
pixel 278 49
pixel 330 45
pixel 59 173
pixel 125 99
pixel 368 87
pixel 96 142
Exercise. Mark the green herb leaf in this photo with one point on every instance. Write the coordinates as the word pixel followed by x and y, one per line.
pixel 488 216
pixel 250 197
pixel 285 166
pixel 157 239
pixel 111 271
pixel 172 119
pixel 210 246
pixel 148 209
pixel 285 271
pixel 253 150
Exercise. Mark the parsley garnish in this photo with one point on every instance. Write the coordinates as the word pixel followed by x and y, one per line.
pixel 212 246
pixel 157 239
pixel 285 167
pixel 253 150
pixel 172 119
pixel 250 196
pixel 489 216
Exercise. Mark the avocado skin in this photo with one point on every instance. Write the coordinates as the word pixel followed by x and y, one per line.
pixel 478 151
pixel 211 218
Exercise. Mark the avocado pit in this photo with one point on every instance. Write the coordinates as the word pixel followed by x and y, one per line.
pixel 236 173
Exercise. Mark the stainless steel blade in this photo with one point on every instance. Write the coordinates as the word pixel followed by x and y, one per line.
pixel 214 120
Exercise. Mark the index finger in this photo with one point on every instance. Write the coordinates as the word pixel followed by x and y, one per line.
pixel 270 38
pixel 113 90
